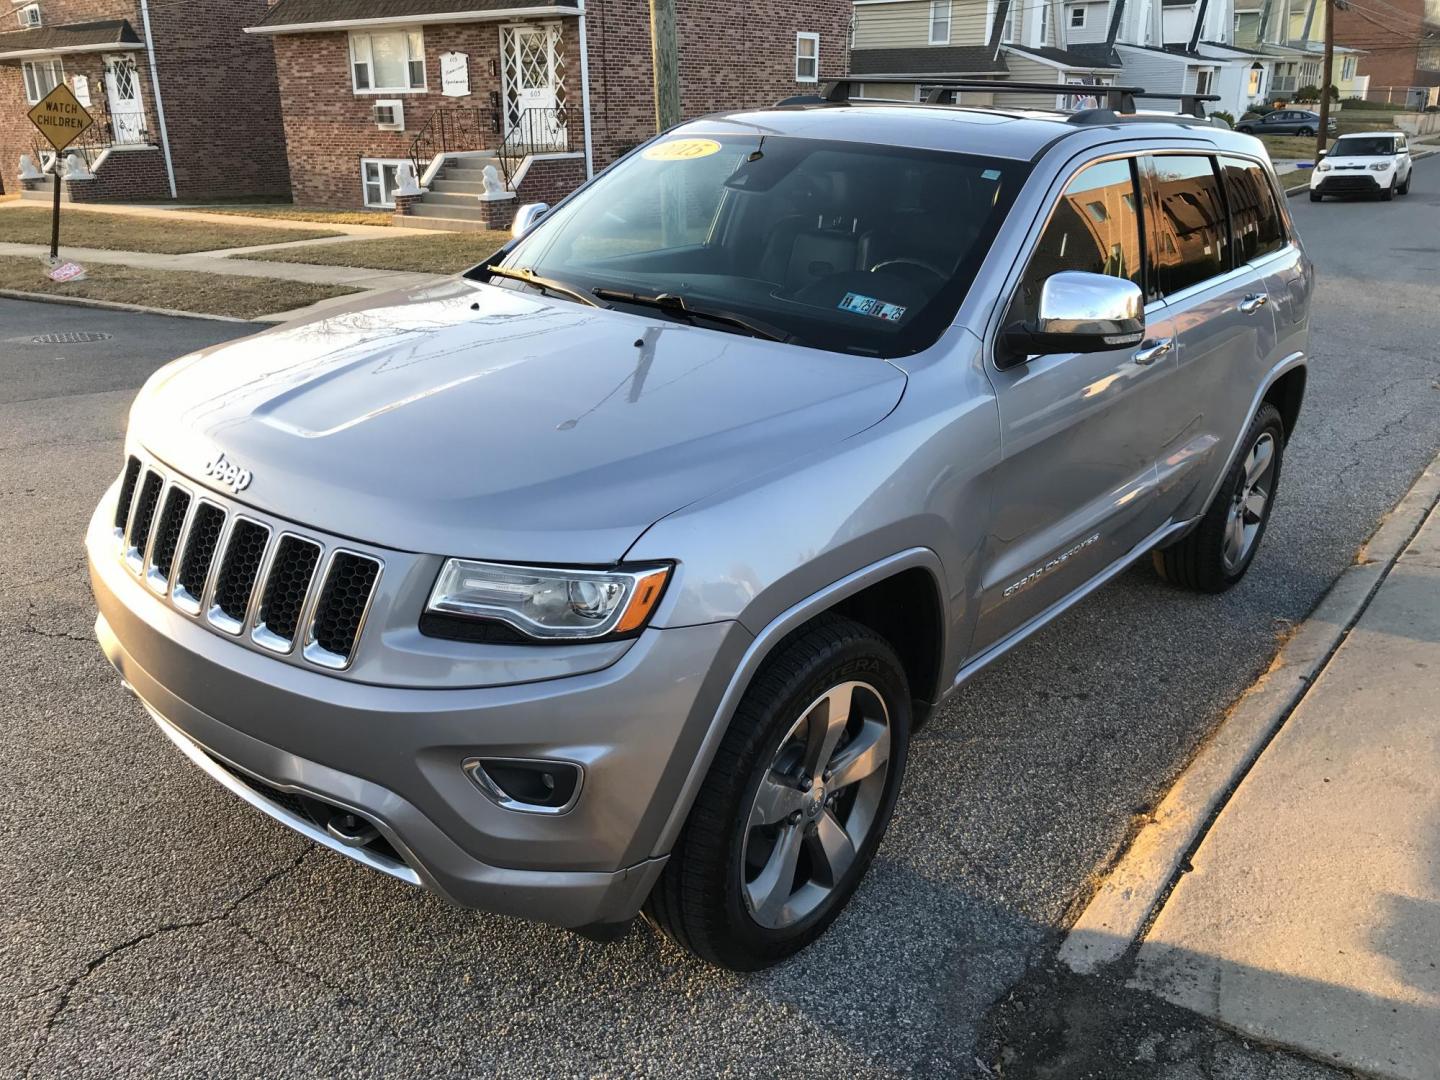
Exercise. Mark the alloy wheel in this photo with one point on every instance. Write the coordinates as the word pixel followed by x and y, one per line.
pixel 1252 497
pixel 816 805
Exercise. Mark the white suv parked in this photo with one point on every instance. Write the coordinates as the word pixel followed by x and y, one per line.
pixel 1370 163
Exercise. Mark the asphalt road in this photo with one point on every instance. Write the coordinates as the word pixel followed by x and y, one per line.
pixel 153 925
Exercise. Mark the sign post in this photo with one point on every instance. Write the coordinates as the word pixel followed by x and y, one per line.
pixel 61 119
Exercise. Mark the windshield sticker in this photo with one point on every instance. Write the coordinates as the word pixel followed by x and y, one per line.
pixel 990 174
pixel 682 150
pixel 868 305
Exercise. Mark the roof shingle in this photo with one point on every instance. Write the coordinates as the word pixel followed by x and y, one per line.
pixel 65 38
pixel 304 12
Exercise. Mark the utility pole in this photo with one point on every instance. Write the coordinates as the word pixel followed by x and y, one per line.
pixel 665 51
pixel 1328 79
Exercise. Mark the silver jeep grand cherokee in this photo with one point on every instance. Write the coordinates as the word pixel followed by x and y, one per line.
pixel 616 573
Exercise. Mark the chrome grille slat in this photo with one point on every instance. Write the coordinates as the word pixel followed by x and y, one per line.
pixel 288 581
pixel 341 609
pixel 174 512
pixel 236 572
pixel 127 494
pixel 235 581
pixel 142 518
pixel 201 541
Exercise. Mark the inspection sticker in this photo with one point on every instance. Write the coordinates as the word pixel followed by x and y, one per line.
pixel 682 150
pixel 868 305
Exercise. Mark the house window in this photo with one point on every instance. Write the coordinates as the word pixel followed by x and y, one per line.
pixel 1044 25
pixel 1347 69
pixel 380 177
pixel 1256 79
pixel 388 61
pixel 1077 17
pixel 807 57
pixel 1007 32
pixel 41 76
pixel 1203 80
pixel 29 16
pixel 939 22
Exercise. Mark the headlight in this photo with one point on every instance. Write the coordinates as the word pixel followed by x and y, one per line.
pixel 1380 166
pixel 1322 167
pixel 547 604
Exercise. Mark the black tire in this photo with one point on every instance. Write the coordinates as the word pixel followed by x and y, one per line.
pixel 1306 133
pixel 1245 129
pixel 1198 561
pixel 1405 187
pixel 1388 193
pixel 699 901
pixel 1315 196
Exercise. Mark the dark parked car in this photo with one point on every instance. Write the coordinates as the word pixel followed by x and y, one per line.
pixel 1284 122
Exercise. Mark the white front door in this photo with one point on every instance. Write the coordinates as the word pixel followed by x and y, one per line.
pixel 127 108
pixel 534 87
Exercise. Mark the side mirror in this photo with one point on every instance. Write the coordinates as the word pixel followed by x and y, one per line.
pixel 1321 153
pixel 526 217
pixel 1079 312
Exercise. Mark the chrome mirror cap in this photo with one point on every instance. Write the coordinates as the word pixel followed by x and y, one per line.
pixel 526 217
pixel 1078 312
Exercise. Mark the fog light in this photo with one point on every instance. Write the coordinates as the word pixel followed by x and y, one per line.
pixel 533 786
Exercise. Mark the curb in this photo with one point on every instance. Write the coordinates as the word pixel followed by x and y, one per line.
pixel 1131 895
pixel 115 305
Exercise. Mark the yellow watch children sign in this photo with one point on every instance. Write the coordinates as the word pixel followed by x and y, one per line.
pixel 61 118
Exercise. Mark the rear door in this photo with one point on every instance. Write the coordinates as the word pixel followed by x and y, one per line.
pixel 1080 433
pixel 1224 322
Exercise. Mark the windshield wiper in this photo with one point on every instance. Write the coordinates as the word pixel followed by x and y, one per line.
pixel 520 273
pixel 678 305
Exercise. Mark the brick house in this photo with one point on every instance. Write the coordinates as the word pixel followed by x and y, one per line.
pixel 1402 43
pixel 545 91
pixel 186 105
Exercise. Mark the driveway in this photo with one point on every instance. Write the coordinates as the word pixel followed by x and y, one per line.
pixel 155 926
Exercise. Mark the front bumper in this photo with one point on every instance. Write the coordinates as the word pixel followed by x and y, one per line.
pixel 392 755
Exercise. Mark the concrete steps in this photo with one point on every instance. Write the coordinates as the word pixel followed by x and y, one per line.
pixel 444 224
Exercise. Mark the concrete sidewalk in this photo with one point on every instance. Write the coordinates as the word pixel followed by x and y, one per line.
pixel 218 263
pixel 1311 915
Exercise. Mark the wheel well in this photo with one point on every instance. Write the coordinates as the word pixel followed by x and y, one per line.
pixel 905 610
pixel 1286 394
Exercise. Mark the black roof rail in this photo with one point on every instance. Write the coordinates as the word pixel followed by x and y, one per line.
pixel 1190 104
pixel 1118 98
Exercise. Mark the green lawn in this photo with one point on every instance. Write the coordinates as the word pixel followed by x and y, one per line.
pixel 206 294
pixel 30 224
pixel 437 253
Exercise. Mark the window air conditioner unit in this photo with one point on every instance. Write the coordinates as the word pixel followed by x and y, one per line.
pixel 390 115
pixel 30 16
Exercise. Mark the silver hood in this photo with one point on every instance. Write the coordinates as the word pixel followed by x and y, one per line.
pixel 465 419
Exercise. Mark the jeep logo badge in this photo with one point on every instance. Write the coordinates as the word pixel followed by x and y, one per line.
pixel 228 473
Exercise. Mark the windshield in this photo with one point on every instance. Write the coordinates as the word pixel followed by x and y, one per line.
pixel 1355 146
pixel 845 246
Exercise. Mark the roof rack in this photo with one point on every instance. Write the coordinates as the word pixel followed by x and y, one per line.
pixel 1119 100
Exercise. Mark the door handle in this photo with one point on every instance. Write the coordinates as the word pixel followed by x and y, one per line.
pixel 1254 302
pixel 1147 356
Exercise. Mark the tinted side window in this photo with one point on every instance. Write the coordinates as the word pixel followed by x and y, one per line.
pixel 1256 226
pixel 1095 227
pixel 1189 232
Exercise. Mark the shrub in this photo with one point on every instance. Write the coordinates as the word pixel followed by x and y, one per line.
pixel 1224 116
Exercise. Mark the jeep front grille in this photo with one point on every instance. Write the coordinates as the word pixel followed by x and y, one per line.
pixel 237 573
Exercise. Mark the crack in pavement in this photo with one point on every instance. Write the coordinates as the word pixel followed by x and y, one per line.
pixel 139 939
